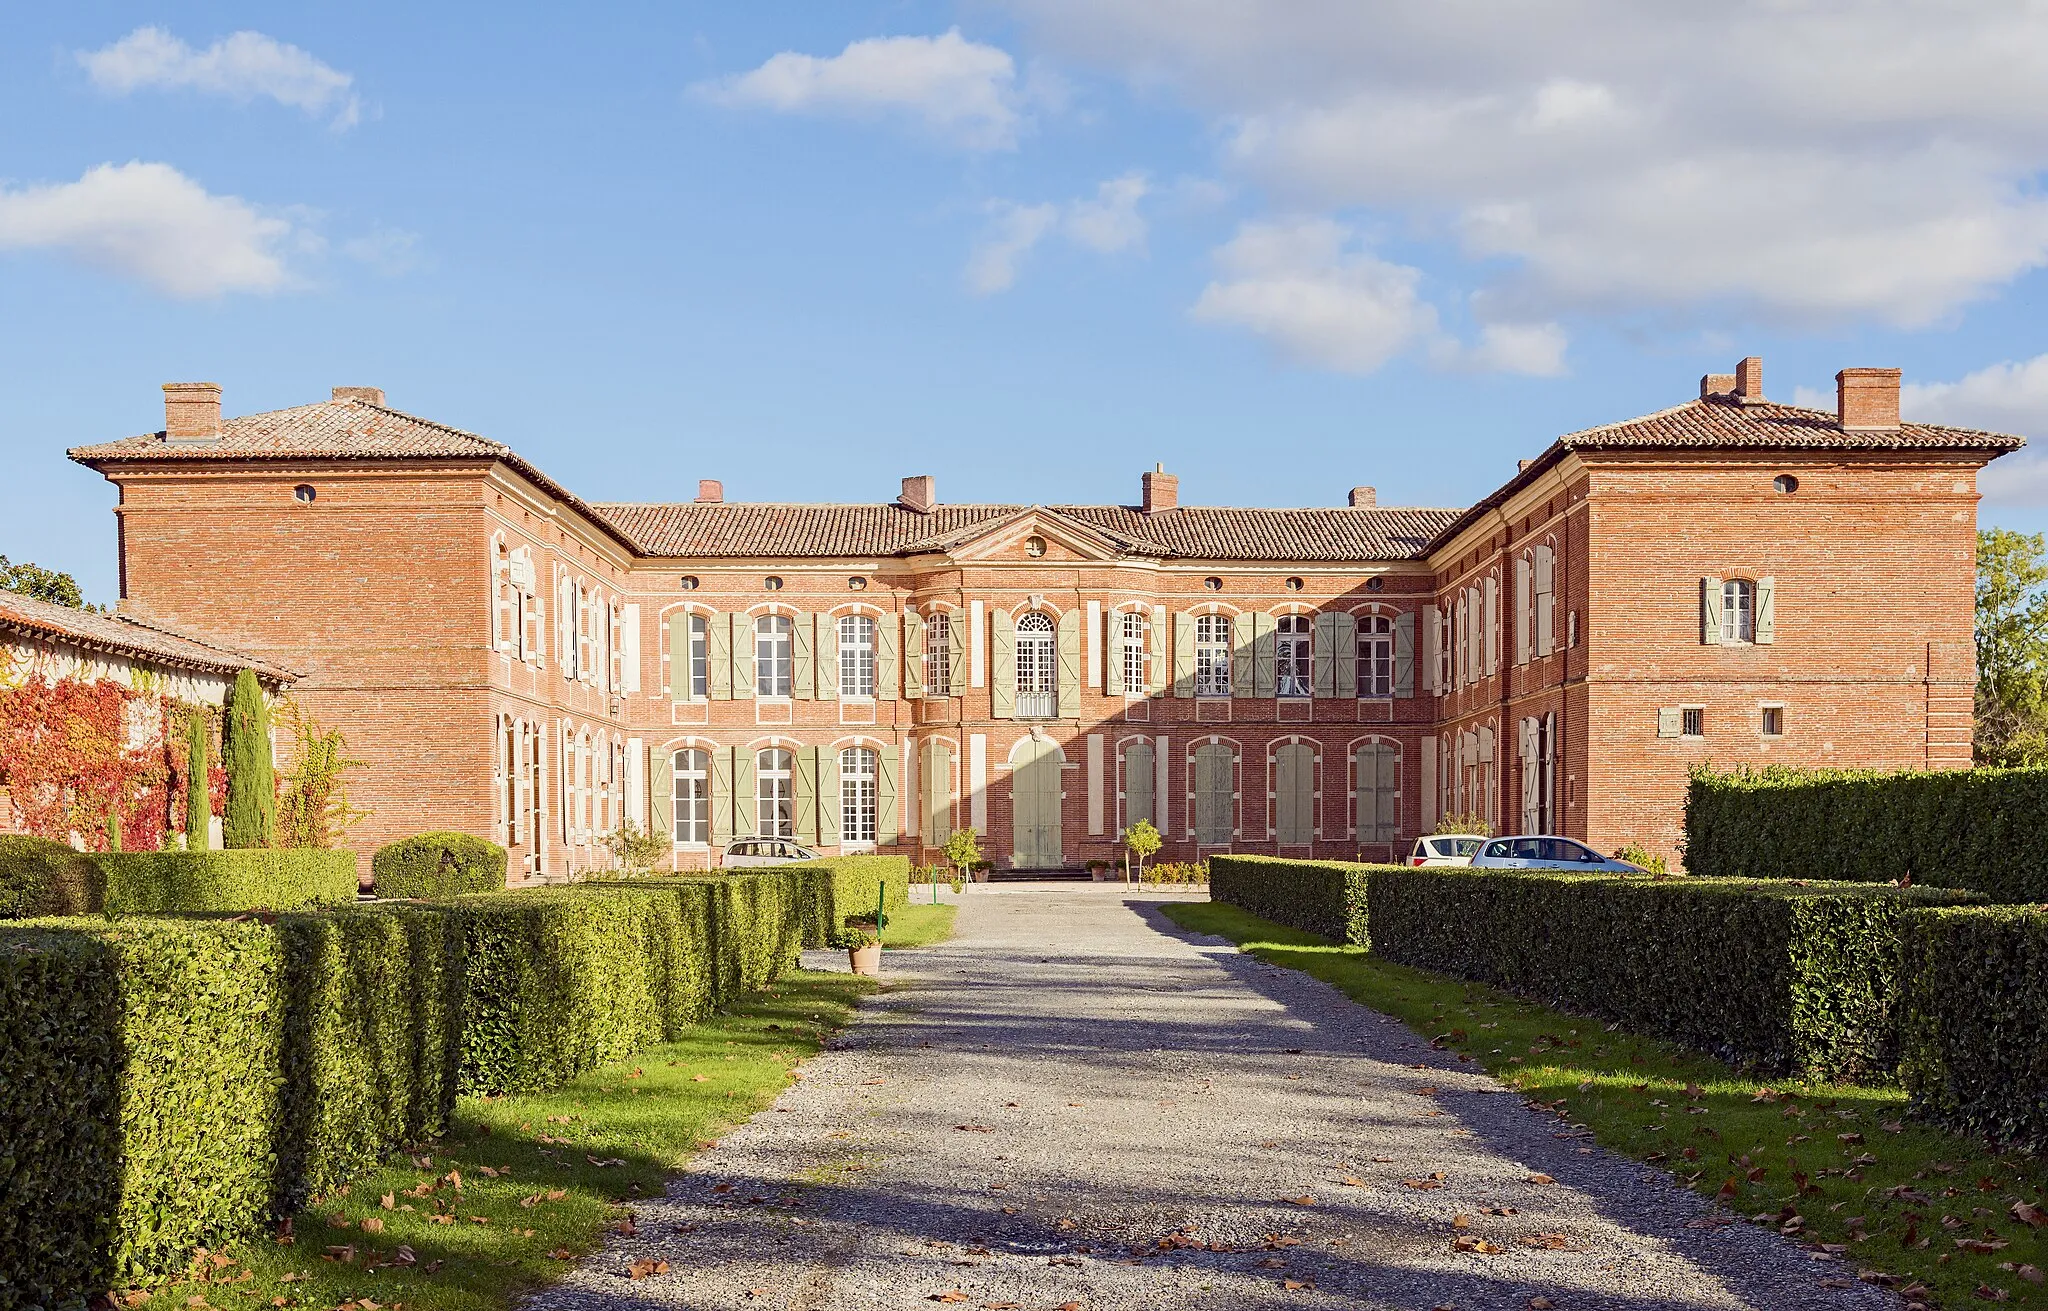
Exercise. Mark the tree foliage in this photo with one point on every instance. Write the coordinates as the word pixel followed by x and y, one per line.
pixel 198 811
pixel 2012 648
pixel 251 817
pixel 313 809
pixel 30 579
pixel 963 848
pixel 1142 840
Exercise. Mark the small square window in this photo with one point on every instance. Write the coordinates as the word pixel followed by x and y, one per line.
pixel 1693 722
pixel 1774 721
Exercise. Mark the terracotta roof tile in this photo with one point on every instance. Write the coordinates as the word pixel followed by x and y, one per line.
pixel 1728 425
pixel 129 637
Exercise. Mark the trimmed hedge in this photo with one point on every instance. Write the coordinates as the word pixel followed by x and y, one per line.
pixel 42 877
pixel 1959 828
pixel 1974 1043
pixel 855 880
pixel 185 882
pixel 438 865
pixel 1316 896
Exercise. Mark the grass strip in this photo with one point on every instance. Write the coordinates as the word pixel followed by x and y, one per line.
pixel 524 1185
pixel 916 926
pixel 1836 1167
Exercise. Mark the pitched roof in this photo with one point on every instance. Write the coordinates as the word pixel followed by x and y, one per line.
pixel 123 635
pixel 1720 423
pixel 1196 532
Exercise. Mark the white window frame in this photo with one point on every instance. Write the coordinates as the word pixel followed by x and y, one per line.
pixel 698 658
pixel 1212 655
pixel 775 793
pixel 856 657
pixel 1738 621
pixel 1375 669
pixel 774 656
pixel 859 796
pixel 1294 665
pixel 690 785
pixel 938 654
pixel 1135 626
pixel 1038 666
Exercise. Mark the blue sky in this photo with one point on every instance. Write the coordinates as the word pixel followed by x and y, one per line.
pixel 1028 246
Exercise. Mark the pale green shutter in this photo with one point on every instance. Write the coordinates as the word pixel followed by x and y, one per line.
pixel 886 647
pixel 661 782
pixel 1525 610
pixel 957 639
pixel 1766 611
pixel 1404 654
pixel 1113 672
pixel 1265 652
pixel 1069 685
pixel 914 652
pixel 742 648
pixel 1138 778
pixel 718 650
pixel 832 796
pixel 1670 721
pixel 746 802
pixel 1156 668
pixel 938 790
pixel 805 786
pixel 1346 642
pixel 1244 656
pixel 827 656
pixel 721 796
pixel 1326 648
pixel 1290 799
pixel 803 659
pixel 1184 654
pixel 1002 682
pixel 887 772
pixel 1710 611
pixel 679 655
pixel 1364 762
pixel 1387 784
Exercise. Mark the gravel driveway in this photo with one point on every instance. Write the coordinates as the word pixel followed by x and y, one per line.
pixel 1073 1104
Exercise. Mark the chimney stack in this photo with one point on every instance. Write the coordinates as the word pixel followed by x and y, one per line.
pixel 920 493
pixel 1364 498
pixel 1161 490
pixel 710 491
pixel 1867 400
pixel 1717 387
pixel 1749 381
pixel 192 411
pixel 374 395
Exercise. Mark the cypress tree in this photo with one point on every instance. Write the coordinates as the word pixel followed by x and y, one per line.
pixel 251 819
pixel 198 810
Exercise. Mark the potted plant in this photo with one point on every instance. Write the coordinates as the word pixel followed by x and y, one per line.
pixel 862 938
pixel 1098 869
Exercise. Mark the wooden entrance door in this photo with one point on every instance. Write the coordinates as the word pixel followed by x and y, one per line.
pixel 1035 805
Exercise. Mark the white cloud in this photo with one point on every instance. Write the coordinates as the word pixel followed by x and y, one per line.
pixel 1532 349
pixel 243 66
pixel 1703 165
pixel 1305 287
pixel 152 223
pixel 2010 397
pixel 1107 223
pixel 390 251
pixel 961 91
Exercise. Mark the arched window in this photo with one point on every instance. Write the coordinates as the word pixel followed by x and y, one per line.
pixel 692 770
pixel 699 658
pixel 1294 663
pixel 1212 655
pixel 1134 626
pixel 1215 795
pixel 1738 611
pixel 772 655
pixel 856 655
pixel 1375 656
pixel 938 655
pixel 1037 667
pixel 857 771
pixel 775 793
pixel 1379 792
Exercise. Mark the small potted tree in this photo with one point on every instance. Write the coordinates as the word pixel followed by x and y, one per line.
pixel 963 849
pixel 862 938
pixel 1141 840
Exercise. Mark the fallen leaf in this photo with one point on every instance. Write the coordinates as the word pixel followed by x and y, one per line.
pixel 1291 1285
pixel 1303 1200
pixel 644 1267
pixel 372 1225
pixel 695 1078
pixel 389 1201
pixel 1541 1304
pixel 2029 1214
pixel 1468 1243
pixel 1541 1179
pixel 1981 1246
pixel 951 1294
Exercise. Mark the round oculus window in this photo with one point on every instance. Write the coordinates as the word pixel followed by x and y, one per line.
pixel 1213 584
pixel 1294 584
pixel 772 583
pixel 688 582
pixel 1785 482
pixel 1375 584
pixel 304 493
pixel 857 584
pixel 1034 546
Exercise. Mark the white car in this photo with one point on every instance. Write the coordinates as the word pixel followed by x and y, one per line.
pixel 765 851
pixel 1446 849
pixel 1548 853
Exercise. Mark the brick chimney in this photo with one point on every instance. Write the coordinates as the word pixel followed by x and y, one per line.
pixel 1161 490
pixel 1717 386
pixel 710 491
pixel 192 411
pixel 1867 400
pixel 374 395
pixel 1749 381
pixel 1364 498
pixel 920 493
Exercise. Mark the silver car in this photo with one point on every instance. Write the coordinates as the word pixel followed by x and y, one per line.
pixel 1549 853
pixel 1446 849
pixel 765 851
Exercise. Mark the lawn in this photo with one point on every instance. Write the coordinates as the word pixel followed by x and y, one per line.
pixel 918 925
pixel 523 1185
pixel 1836 1165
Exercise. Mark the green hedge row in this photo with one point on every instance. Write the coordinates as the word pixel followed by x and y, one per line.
pixel 172 1083
pixel 855 881
pixel 41 877
pixel 438 865
pixel 1962 828
pixel 1782 974
pixel 1316 896
pixel 1974 986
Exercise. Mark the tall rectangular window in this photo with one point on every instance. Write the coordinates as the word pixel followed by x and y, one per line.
pixel 1379 792
pixel 857 795
pixel 1212 655
pixel 775 793
pixel 692 773
pixel 508 746
pixel 938 655
pixel 1375 656
pixel 700 657
pixel 856 656
pixel 1738 611
pixel 772 655
pixel 1138 780
pixel 1294 663
pixel 1133 628
pixel 1215 795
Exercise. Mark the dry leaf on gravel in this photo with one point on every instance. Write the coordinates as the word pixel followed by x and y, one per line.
pixel 1467 1243
pixel 1303 1200
pixel 645 1268
pixel 1541 1179
pixel 950 1295
pixel 1352 1181
pixel 1291 1285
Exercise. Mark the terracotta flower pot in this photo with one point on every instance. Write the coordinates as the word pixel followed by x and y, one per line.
pixel 865 960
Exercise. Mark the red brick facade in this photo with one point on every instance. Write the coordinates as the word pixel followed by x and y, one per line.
pixel 516 663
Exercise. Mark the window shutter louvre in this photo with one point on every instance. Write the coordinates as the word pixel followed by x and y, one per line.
pixel 1670 721
pixel 1344 644
pixel 831 796
pixel 887 770
pixel 1525 609
pixel 805 787
pixel 718 656
pixel 1156 667
pixel 826 658
pixel 1184 654
pixel 661 782
pixel 1325 653
pixel 1388 778
pixel 1432 640
pixel 679 655
pixel 914 652
pixel 721 797
pixel 742 649
pixel 1266 654
pixel 937 777
pixel 1137 781
pixel 957 639
pixel 746 808
pixel 1492 622
pixel 1068 689
pixel 1766 611
pixel 1404 654
pixel 1002 664
pixel 1113 670
pixel 887 645
pixel 1710 611
pixel 803 659
pixel 1546 600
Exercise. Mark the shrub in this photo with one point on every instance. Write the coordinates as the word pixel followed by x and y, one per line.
pixel 198 802
pixel 1178 872
pixel 42 877
pixel 1316 896
pixel 855 881
pixel 1974 1004
pixel 250 820
pixel 156 882
pixel 1965 828
pixel 430 865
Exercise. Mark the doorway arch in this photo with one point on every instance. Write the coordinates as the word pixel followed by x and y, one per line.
pixel 1035 804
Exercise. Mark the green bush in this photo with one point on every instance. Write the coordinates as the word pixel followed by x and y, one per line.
pixel 438 865
pixel 1961 828
pixel 41 877
pixel 1974 1002
pixel 855 880
pixel 160 882
pixel 1316 896
pixel 250 821
pixel 1782 974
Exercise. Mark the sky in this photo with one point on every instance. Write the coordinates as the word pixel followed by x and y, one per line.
pixel 1031 247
